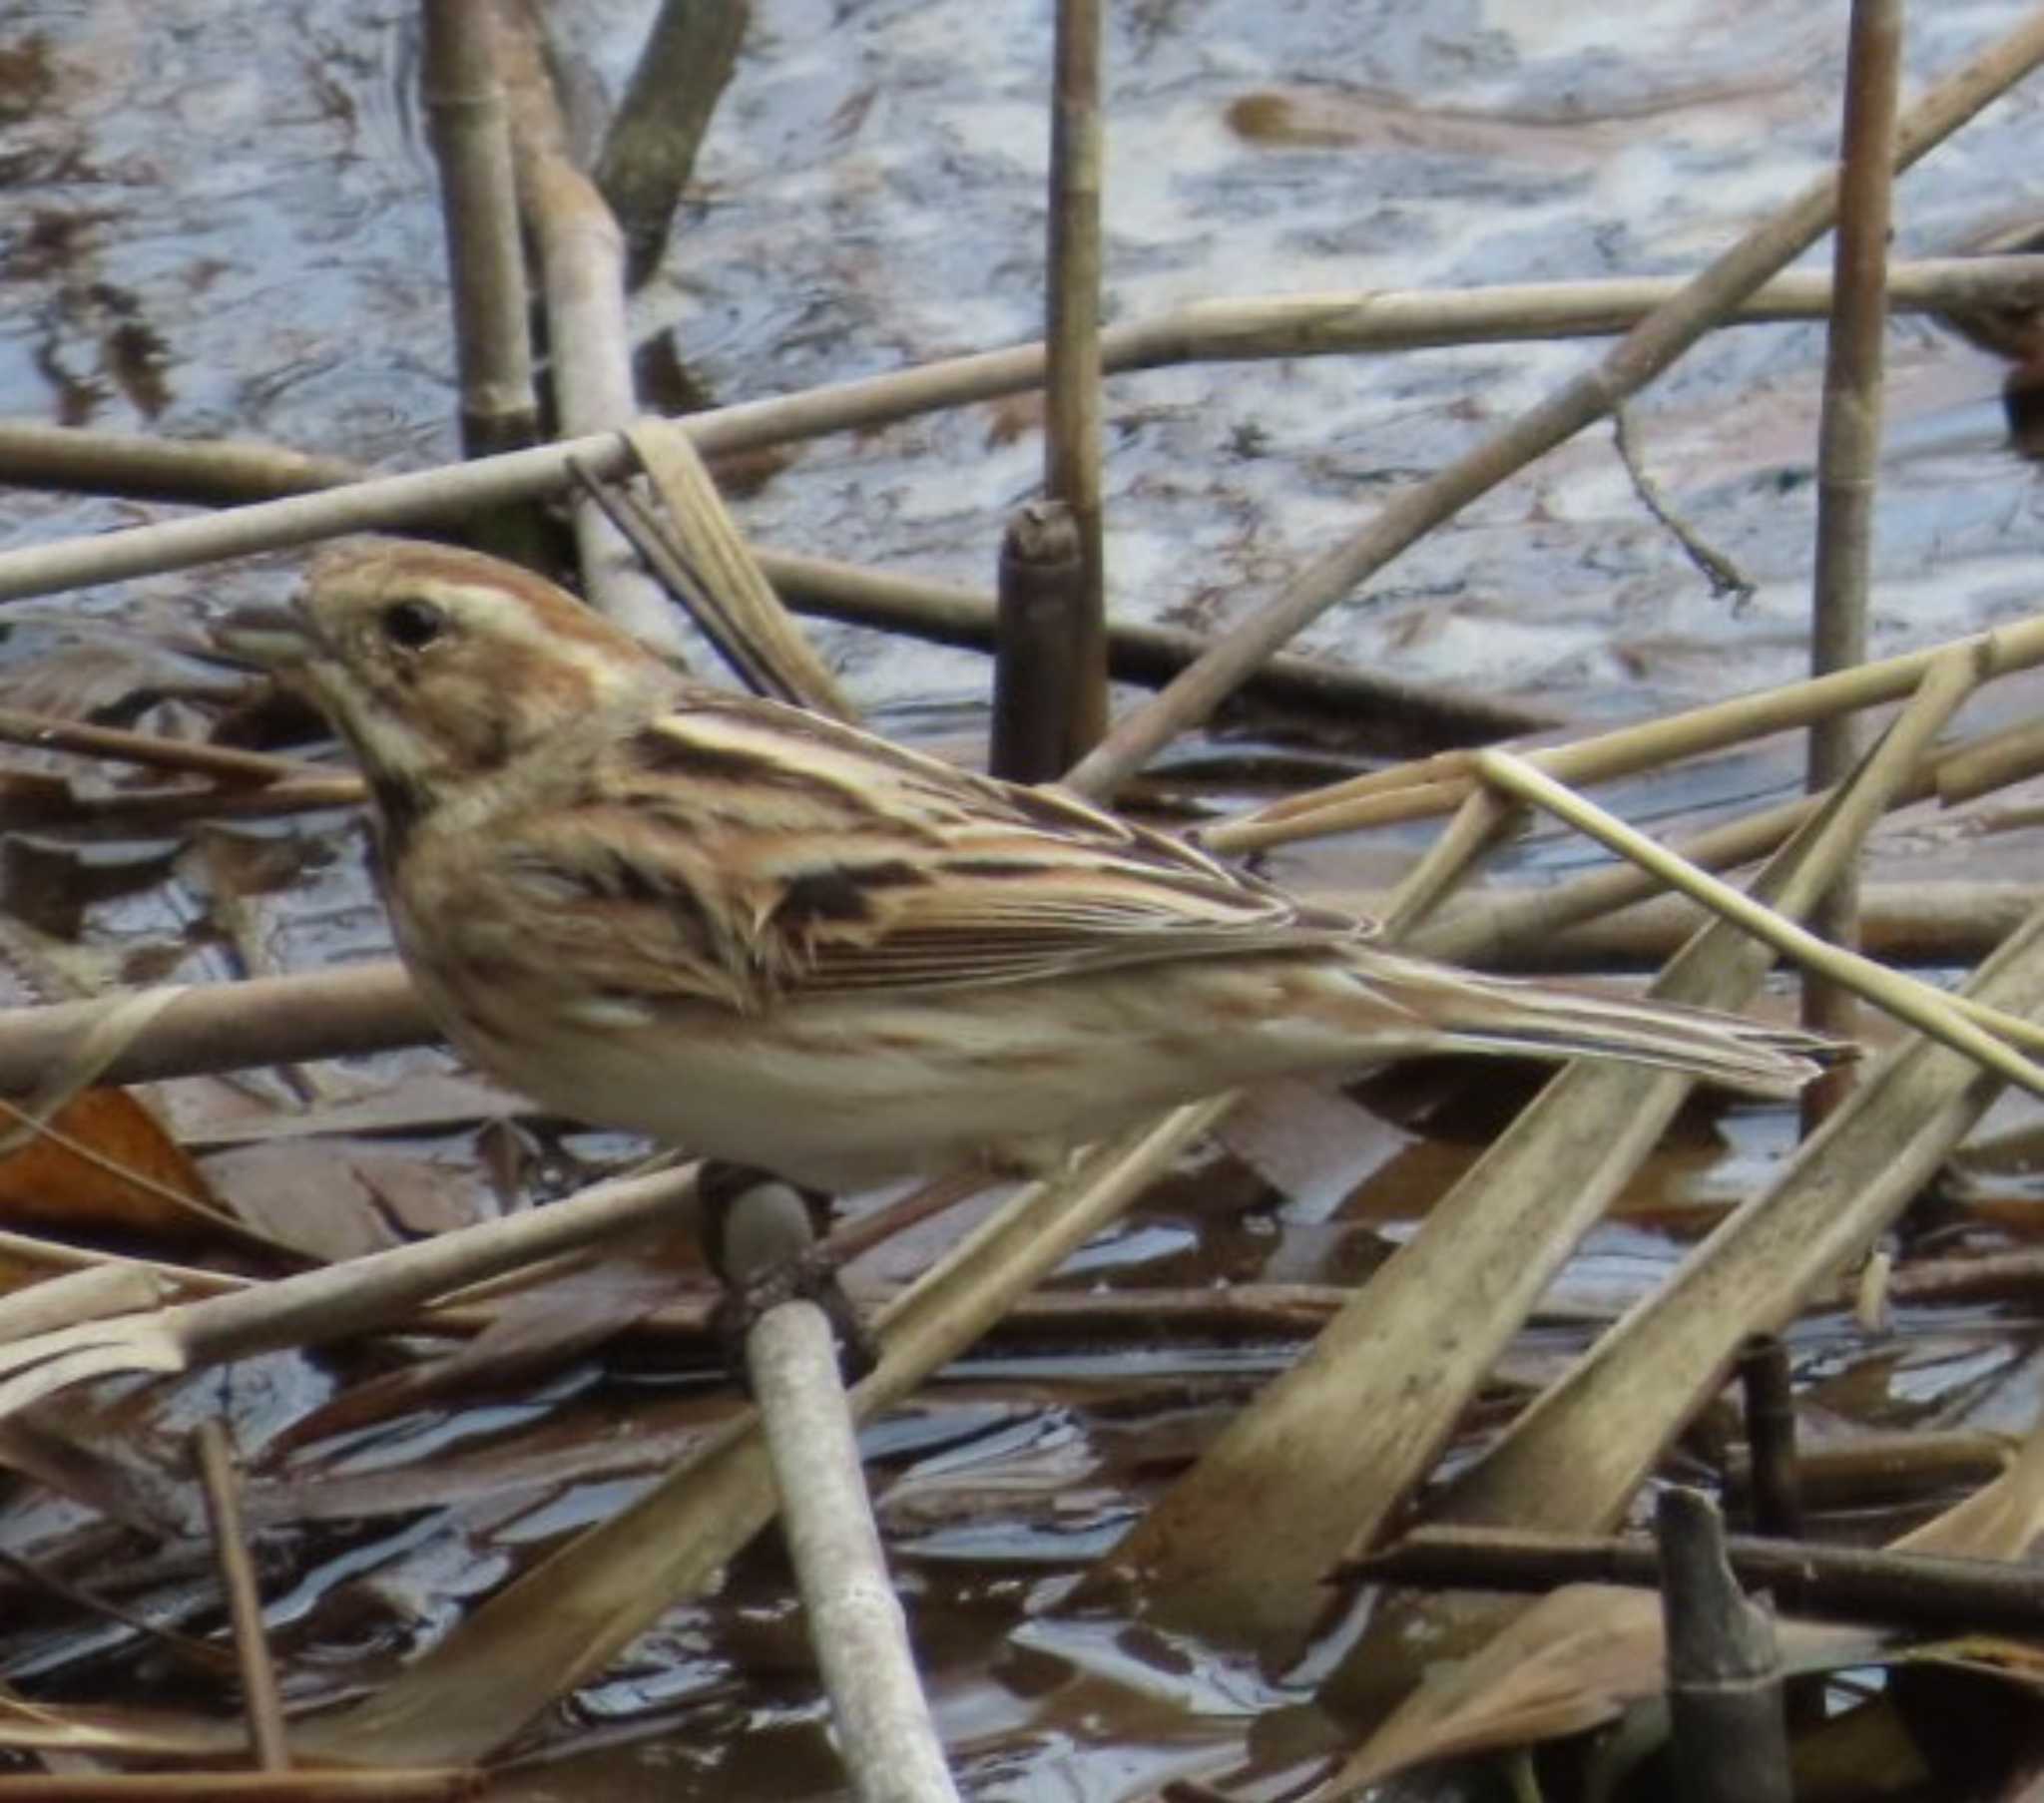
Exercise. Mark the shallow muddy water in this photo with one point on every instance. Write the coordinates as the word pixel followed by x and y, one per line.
pixel 221 221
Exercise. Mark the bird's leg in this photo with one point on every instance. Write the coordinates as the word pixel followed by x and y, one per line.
pixel 763 1239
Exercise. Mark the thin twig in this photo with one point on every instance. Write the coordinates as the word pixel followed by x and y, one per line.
pixel 260 1697
pixel 1725 576
pixel 1927 1590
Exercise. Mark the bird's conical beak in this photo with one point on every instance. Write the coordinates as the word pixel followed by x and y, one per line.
pixel 270 638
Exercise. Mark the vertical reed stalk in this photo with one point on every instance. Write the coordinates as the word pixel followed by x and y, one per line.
pixel 1848 460
pixel 1072 332
pixel 471 135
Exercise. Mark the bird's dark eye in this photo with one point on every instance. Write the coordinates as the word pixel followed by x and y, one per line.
pixel 412 624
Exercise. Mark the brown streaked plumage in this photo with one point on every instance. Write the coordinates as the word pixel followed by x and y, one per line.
pixel 768 937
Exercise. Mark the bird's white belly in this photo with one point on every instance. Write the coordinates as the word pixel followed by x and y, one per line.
pixel 844 1092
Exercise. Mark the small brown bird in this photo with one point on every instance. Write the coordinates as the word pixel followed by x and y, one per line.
pixel 766 937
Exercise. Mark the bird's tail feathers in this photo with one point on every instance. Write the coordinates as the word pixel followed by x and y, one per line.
pixel 1476 1012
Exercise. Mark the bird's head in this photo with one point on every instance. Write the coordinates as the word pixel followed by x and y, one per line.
pixel 441 666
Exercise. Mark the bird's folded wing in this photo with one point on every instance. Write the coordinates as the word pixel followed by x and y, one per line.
pixel 881 869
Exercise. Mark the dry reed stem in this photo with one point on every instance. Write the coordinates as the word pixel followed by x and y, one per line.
pixel 230 473
pixel 1954 1022
pixel 1636 360
pixel 651 145
pixel 1848 461
pixel 1307 325
pixel 1905 923
pixel 1435 785
pixel 1072 413
pixel 218 472
pixel 470 132
pixel 221 1025
pixel 1478 825
pixel 582 266
pixel 1990 763
pixel 382 1289
pixel 952 614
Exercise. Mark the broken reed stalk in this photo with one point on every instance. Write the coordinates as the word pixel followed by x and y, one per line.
pixel 262 1699
pixel 1041 643
pixel 1072 402
pixel 582 264
pixel 1768 1392
pixel 856 1628
pixel 1636 360
pixel 471 138
pixel 1848 462
pixel 39 455
pixel 1440 783
pixel 650 150
pixel 1724 1709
